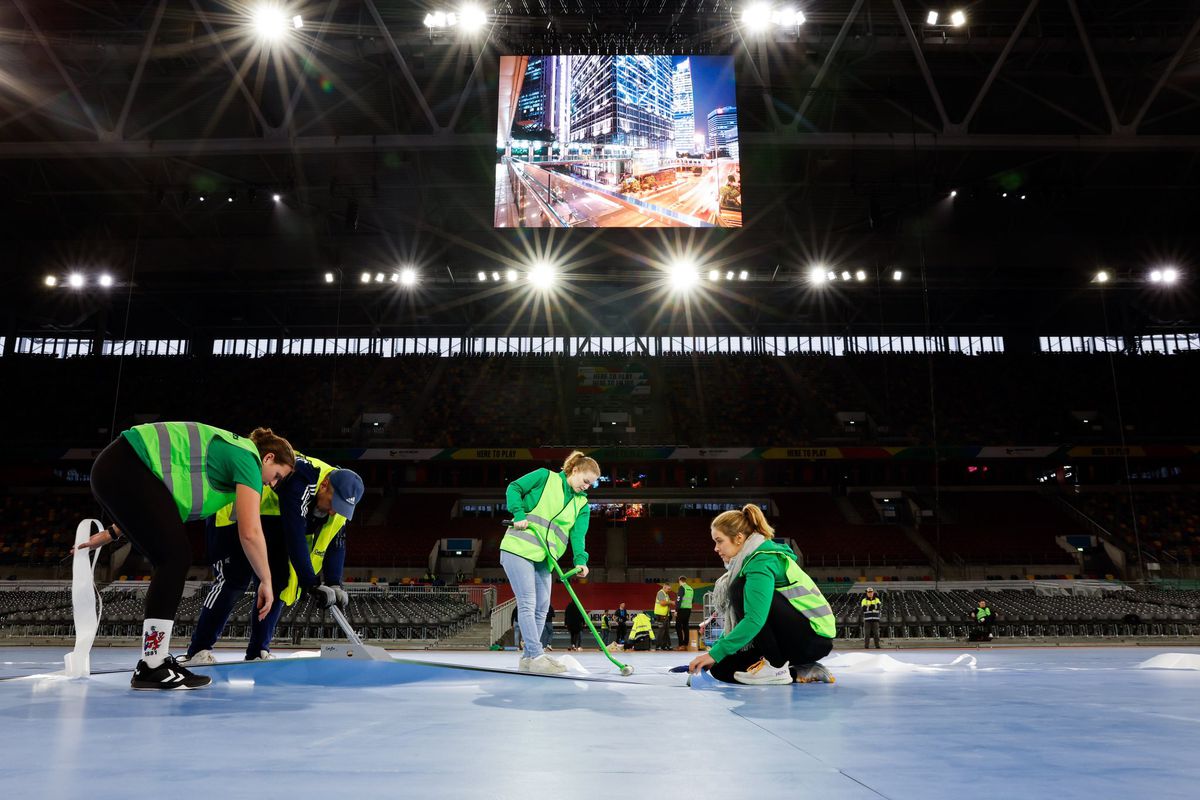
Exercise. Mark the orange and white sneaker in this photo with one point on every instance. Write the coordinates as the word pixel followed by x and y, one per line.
pixel 761 673
pixel 814 673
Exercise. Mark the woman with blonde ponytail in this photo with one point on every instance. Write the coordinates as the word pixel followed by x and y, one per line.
pixel 156 477
pixel 549 510
pixel 778 624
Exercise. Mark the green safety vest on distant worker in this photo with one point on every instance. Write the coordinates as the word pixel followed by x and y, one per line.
pixel 685 596
pixel 982 613
pixel 803 594
pixel 178 456
pixel 317 545
pixel 550 520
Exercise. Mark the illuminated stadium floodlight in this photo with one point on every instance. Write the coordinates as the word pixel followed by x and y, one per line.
pixel 743 275
pixel 542 276
pixel 276 197
pixel 408 277
pixel 714 275
pixel 50 281
pixel 1170 275
pixel 1102 276
pixel 329 277
pixel 106 280
pixel 931 18
pixel 379 277
pixel 831 276
pixel 860 275
pixel 297 22
pixel 817 275
pixel 788 18
pixel 471 17
pixel 845 275
pixel 756 17
pixel 1156 276
pixel 897 275
pixel 75 280
pixel 958 19
pixel 954 192
pixel 366 277
pixel 482 276
pixel 511 276
pixel 684 276
pixel 270 23
pixel 495 276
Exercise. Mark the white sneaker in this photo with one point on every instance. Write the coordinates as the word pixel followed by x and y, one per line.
pixel 523 664
pixel 545 665
pixel 263 655
pixel 761 673
pixel 200 659
pixel 554 660
pixel 814 673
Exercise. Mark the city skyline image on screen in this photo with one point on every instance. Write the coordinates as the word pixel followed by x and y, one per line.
pixel 617 141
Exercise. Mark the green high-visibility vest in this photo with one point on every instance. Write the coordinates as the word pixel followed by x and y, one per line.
pixel 803 594
pixel 317 545
pixel 178 454
pixel 982 613
pixel 685 596
pixel 550 521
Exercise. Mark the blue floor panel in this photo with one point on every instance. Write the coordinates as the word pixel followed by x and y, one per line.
pixel 1062 723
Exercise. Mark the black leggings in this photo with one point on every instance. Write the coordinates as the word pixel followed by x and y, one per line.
pixel 145 512
pixel 786 636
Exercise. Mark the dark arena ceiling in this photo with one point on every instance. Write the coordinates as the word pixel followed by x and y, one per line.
pixel 1068 129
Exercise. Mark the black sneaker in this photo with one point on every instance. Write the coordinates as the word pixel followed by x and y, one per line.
pixel 167 675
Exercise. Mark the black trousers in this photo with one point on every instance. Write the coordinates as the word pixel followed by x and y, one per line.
pixel 870 628
pixel 576 636
pixel 786 636
pixel 145 512
pixel 683 618
pixel 622 631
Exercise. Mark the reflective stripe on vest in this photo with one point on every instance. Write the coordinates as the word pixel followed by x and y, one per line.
pixel 178 452
pixel 550 520
pixel 685 596
pixel 804 595
pixel 870 607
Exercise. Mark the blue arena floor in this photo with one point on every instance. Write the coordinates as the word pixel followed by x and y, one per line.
pixel 1027 723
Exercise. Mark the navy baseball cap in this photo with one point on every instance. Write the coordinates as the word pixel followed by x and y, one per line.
pixel 347 491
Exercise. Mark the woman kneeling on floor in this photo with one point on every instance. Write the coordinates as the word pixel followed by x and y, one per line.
pixel 778 624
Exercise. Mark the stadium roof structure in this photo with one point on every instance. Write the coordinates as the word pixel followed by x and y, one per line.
pixel 1068 133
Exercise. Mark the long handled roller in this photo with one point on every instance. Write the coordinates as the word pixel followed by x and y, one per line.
pixel 565 577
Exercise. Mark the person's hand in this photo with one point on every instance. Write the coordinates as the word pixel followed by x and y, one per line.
pixel 521 524
pixel 323 596
pixel 97 540
pixel 702 661
pixel 343 599
pixel 583 571
pixel 265 599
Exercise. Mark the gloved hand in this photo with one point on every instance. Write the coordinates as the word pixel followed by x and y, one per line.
pixel 323 596
pixel 343 599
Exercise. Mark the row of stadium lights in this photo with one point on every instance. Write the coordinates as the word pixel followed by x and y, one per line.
pixel 760 16
pixel 543 276
pixel 271 20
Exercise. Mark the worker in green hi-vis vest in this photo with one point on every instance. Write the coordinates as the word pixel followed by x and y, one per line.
pixel 152 480
pixel 683 611
pixel 549 509
pixel 777 622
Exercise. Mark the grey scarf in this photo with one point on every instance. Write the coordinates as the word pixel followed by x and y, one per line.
pixel 720 590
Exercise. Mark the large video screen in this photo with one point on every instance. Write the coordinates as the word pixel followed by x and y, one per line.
pixel 617 142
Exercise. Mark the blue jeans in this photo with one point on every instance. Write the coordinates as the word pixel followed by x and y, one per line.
pixel 531 586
